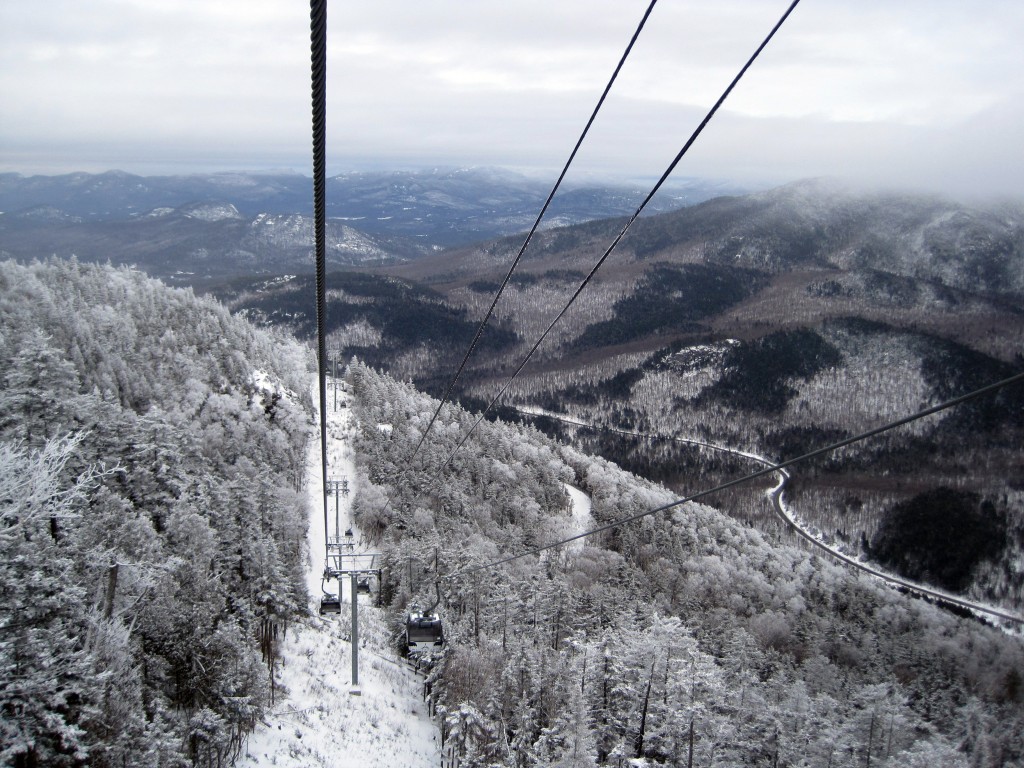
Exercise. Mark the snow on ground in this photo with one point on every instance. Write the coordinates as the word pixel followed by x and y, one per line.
pixel 582 520
pixel 317 722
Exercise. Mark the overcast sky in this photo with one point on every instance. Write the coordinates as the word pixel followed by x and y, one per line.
pixel 918 93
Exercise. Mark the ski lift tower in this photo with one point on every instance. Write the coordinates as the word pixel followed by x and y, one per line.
pixel 342 560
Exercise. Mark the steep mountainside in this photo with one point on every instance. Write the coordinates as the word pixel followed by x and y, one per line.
pixel 683 630
pixel 776 322
pixel 152 520
pixel 407 328
pixel 152 455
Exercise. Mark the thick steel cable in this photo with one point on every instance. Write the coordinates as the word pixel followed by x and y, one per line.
pixel 533 230
pixel 318 55
pixel 629 223
pixel 771 468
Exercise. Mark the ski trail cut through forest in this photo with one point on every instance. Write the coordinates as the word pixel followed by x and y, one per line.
pixel 316 722
pixel 582 520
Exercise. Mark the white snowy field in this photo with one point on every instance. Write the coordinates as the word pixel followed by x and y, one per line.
pixel 317 721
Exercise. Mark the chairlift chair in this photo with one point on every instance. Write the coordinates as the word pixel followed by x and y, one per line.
pixel 423 630
pixel 330 604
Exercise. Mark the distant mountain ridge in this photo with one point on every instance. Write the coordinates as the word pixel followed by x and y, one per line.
pixel 196 242
pixel 817 223
pixel 201 228
pixel 807 225
pixel 438 207
pixel 116 194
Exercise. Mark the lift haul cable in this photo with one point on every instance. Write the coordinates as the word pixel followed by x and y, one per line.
pixel 318 55
pixel 771 468
pixel 629 223
pixel 515 263
pixel 615 242
pixel 533 229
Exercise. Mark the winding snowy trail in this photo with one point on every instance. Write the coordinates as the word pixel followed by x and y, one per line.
pixel 317 722
pixel 790 518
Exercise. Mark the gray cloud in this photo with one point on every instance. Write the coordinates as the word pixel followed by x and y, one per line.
pixel 913 93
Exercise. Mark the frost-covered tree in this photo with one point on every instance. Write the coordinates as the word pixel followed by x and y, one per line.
pixel 50 693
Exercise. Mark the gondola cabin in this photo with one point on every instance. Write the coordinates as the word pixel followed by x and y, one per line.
pixel 423 630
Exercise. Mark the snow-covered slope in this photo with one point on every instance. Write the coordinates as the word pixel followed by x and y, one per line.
pixel 317 721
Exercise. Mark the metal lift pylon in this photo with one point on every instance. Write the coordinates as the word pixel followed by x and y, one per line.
pixel 343 560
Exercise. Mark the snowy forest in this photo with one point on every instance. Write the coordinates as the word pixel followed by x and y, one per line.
pixel 772 323
pixel 151 456
pixel 153 451
pixel 682 631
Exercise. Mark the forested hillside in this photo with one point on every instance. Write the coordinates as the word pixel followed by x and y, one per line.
pixel 777 323
pixel 683 628
pixel 792 391
pixel 408 328
pixel 152 450
pixel 151 455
